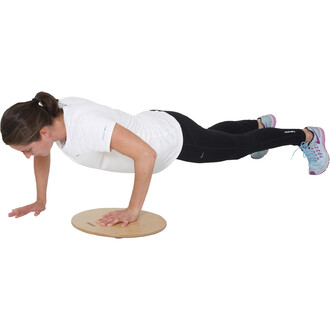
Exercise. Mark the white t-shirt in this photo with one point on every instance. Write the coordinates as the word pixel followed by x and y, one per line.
pixel 89 128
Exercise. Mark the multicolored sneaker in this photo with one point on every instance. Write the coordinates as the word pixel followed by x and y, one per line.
pixel 315 151
pixel 267 121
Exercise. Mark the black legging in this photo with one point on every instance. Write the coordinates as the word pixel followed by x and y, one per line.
pixel 230 139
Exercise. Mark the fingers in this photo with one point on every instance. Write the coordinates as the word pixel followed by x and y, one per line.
pixel 112 219
pixel 14 212
pixel 21 211
pixel 17 213
pixel 112 222
pixel 108 221
pixel 108 218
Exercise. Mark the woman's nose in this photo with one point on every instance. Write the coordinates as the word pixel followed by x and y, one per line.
pixel 27 154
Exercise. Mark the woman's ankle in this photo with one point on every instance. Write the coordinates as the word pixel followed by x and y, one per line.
pixel 309 135
pixel 260 125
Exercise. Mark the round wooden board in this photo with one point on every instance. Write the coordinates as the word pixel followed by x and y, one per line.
pixel 147 224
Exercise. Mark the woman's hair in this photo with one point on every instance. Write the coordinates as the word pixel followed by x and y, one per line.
pixel 21 123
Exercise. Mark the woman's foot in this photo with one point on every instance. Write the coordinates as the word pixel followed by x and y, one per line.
pixel 264 122
pixel 315 151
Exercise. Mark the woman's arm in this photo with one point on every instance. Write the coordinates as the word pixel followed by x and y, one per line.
pixel 129 144
pixel 41 171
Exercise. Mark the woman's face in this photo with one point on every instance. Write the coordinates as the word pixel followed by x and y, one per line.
pixel 38 148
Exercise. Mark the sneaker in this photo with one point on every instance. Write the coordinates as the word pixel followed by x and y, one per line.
pixel 315 151
pixel 267 121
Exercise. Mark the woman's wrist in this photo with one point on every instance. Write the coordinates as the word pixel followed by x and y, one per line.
pixel 42 200
pixel 134 209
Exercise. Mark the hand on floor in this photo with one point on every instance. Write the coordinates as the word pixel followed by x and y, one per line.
pixel 125 216
pixel 36 207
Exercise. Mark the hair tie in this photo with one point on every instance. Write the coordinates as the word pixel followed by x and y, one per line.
pixel 36 100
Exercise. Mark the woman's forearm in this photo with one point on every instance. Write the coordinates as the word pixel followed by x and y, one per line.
pixel 41 171
pixel 144 166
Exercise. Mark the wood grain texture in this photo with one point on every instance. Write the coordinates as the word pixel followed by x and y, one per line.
pixel 147 224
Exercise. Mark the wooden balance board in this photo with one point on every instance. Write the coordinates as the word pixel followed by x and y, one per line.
pixel 147 224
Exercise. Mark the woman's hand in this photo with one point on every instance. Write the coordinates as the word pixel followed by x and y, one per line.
pixel 130 145
pixel 125 216
pixel 36 207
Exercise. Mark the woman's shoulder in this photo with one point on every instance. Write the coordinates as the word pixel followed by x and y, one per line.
pixel 71 100
pixel 77 107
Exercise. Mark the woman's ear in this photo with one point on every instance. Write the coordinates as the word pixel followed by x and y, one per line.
pixel 45 131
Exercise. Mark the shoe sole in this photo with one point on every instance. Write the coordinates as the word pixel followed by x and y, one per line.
pixel 323 143
pixel 274 120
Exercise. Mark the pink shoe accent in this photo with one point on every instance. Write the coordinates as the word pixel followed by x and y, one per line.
pixel 323 138
pixel 274 120
pixel 323 143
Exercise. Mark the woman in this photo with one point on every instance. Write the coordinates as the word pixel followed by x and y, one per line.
pixel 100 137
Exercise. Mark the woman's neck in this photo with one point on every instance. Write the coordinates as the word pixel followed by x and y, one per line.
pixel 58 129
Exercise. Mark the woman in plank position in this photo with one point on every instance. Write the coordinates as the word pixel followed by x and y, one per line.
pixel 97 136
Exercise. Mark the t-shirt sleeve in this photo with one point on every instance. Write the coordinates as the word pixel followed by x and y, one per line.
pixel 97 132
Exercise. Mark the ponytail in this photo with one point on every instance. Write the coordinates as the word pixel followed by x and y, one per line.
pixel 21 124
pixel 49 103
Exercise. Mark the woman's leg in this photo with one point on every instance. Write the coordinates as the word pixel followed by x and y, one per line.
pixel 236 127
pixel 244 126
pixel 202 145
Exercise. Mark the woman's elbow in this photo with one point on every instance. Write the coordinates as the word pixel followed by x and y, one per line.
pixel 146 159
pixel 150 154
pixel 153 154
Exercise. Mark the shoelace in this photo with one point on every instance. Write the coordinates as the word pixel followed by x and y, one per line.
pixel 312 154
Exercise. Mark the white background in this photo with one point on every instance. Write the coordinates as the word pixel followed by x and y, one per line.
pixel 247 243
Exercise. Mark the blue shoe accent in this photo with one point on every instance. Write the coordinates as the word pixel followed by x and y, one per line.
pixel 315 151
